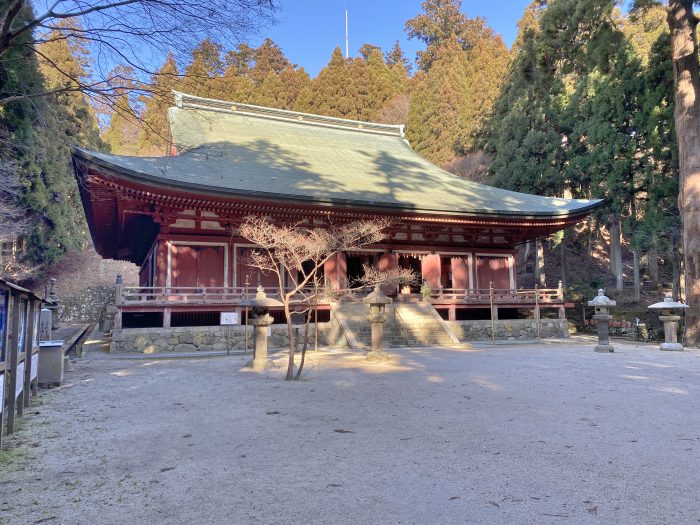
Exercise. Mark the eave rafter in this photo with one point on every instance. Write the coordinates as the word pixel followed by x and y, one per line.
pixel 165 201
pixel 165 206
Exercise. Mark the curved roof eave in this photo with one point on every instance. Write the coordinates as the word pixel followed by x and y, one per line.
pixel 118 170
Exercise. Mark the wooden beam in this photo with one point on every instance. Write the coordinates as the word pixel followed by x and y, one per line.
pixel 31 325
pixel 12 353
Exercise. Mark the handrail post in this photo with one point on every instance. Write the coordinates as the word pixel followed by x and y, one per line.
pixel 537 312
pixel 245 298
pixel 12 354
pixel 118 297
pixel 493 324
pixel 560 291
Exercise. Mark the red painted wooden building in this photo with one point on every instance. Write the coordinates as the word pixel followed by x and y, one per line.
pixel 176 216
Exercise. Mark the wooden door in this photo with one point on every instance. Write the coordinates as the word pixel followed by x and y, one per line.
pixel 183 266
pixel 255 276
pixel 210 266
pixel 494 270
pixel 197 266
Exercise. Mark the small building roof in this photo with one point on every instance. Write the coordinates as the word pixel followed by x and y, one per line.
pixel 239 150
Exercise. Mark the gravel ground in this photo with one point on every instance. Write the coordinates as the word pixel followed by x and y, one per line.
pixel 540 433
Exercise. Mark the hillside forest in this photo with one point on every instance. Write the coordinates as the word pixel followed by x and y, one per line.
pixel 581 106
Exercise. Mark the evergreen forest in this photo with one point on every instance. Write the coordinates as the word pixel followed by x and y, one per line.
pixel 581 106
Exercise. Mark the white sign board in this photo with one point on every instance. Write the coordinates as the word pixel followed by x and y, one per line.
pixel 35 367
pixel 2 390
pixel 269 331
pixel 228 318
pixel 19 384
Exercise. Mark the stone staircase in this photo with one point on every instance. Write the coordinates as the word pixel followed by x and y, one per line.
pixel 416 324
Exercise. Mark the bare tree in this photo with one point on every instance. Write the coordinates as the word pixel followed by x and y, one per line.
pixel 286 251
pixel 134 33
pixel 396 110
pixel 13 221
pixel 393 277
pixel 473 166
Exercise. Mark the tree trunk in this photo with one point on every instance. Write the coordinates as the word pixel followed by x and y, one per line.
pixel 616 253
pixel 637 283
pixel 653 264
pixel 306 344
pixel 292 342
pixel 526 257
pixel 540 277
pixel 686 76
pixel 676 275
pixel 613 253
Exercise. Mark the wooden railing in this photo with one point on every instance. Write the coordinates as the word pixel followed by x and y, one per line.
pixel 191 295
pixel 498 296
pixel 174 295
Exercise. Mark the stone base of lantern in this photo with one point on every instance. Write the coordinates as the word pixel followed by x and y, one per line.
pixel 604 348
pixel 672 347
pixel 260 362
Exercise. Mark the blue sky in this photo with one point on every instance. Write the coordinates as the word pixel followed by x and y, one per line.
pixel 309 30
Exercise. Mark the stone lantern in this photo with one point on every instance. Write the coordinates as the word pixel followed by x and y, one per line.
pixel 670 320
pixel 259 307
pixel 377 302
pixel 602 319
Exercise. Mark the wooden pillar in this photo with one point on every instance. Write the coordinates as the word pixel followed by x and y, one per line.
pixel 3 363
pixel 167 316
pixel 28 350
pixel 330 272
pixel 388 262
pixel 3 391
pixel 335 271
pixel 12 354
pixel 460 273
pixel 342 268
pixel 430 270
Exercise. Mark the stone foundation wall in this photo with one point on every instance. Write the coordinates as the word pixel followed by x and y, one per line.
pixel 211 338
pixel 509 330
pixel 87 305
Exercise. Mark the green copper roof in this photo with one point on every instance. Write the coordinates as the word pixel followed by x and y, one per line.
pixel 240 150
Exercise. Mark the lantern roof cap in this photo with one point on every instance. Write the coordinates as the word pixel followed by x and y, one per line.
pixel 377 296
pixel 668 303
pixel 601 300
pixel 261 300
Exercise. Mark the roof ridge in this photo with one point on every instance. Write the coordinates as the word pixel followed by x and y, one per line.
pixel 185 101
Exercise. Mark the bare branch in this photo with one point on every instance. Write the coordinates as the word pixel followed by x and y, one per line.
pixel 284 249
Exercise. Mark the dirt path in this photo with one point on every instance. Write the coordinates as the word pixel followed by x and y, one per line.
pixel 523 434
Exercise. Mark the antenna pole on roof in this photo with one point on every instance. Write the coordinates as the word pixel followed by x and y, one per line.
pixel 347 40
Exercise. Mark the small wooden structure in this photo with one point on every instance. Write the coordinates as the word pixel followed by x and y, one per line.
pixel 19 351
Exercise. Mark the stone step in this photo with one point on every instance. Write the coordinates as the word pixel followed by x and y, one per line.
pixel 413 324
